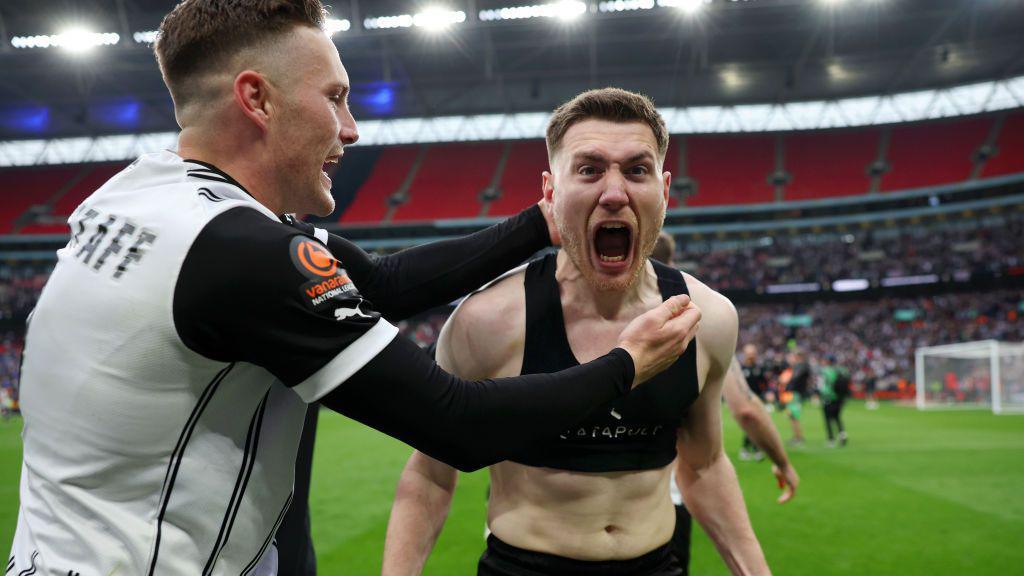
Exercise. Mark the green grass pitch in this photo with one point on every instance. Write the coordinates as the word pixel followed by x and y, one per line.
pixel 914 493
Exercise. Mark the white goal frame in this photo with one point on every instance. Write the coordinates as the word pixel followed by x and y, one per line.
pixel 994 350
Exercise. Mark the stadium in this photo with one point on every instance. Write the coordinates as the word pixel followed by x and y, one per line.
pixel 848 173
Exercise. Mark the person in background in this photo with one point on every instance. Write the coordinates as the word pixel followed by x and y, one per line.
pixel 833 387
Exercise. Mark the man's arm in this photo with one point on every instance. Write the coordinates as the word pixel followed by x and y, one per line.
pixel 705 473
pixel 469 346
pixel 749 412
pixel 420 278
pixel 421 505
pixel 270 305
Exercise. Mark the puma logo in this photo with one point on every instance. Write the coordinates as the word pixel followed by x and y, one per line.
pixel 343 313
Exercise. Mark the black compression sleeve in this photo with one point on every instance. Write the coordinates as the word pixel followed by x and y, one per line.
pixel 418 279
pixel 473 424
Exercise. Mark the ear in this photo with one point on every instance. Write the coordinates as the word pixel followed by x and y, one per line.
pixel 251 91
pixel 547 184
pixel 547 193
pixel 667 177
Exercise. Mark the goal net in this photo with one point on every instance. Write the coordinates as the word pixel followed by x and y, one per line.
pixel 986 374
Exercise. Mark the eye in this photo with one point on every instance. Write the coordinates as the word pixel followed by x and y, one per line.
pixel 639 170
pixel 586 171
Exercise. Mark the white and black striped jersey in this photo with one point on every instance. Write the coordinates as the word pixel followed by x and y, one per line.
pixel 166 373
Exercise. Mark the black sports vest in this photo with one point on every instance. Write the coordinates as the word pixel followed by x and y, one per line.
pixel 634 432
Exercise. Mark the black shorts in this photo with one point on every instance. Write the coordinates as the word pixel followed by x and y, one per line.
pixel 501 559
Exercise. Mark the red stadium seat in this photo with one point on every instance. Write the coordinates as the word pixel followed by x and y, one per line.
pixel 1010 158
pixel 521 181
pixel 825 164
pixel 26 187
pixel 932 154
pixel 730 169
pixel 390 170
pixel 449 180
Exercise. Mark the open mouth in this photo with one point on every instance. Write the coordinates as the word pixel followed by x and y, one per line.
pixel 328 162
pixel 613 244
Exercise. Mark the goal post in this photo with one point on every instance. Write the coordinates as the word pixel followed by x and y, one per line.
pixel 986 374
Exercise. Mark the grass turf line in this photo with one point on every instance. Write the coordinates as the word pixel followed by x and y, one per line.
pixel 915 493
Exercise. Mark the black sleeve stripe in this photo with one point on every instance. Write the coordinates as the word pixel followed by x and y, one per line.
pixel 175 462
pixel 270 537
pixel 252 440
pixel 208 177
pixel 32 567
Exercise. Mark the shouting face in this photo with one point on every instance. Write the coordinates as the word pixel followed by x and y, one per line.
pixel 609 196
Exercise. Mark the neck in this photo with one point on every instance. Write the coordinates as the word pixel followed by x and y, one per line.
pixel 607 304
pixel 230 156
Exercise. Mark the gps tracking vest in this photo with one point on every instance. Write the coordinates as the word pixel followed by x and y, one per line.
pixel 635 432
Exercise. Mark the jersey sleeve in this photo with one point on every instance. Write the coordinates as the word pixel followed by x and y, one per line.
pixel 254 290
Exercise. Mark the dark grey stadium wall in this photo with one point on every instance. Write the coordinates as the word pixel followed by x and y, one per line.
pixel 353 170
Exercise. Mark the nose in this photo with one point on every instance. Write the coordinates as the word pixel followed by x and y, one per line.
pixel 614 197
pixel 349 132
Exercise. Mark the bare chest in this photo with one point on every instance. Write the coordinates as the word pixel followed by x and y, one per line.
pixel 591 336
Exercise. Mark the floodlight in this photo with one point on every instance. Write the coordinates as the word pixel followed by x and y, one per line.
pixel 75 40
pixel 732 78
pixel 335 25
pixel 435 19
pixel 625 5
pixel 687 6
pixel 385 22
pixel 565 10
pixel 838 72
pixel 145 36
pixel 79 40
pixel 568 9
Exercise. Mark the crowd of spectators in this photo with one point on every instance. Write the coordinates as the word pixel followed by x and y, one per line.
pixel 877 339
pixel 993 244
pixel 19 289
pixel 11 344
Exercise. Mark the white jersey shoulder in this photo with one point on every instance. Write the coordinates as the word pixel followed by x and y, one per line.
pixel 140 455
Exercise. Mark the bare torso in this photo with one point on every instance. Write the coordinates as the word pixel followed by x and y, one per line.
pixel 586 516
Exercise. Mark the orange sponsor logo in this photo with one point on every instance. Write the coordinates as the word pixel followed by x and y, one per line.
pixel 328 285
pixel 316 259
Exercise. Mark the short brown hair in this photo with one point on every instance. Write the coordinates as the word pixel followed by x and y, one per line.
pixel 614 104
pixel 200 35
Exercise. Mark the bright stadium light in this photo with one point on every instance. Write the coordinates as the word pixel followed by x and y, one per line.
pixel 625 5
pixel 569 10
pixel 386 22
pixel 75 40
pixel 732 78
pixel 436 19
pixel 145 36
pixel 565 10
pixel 838 72
pixel 688 6
pixel 334 25
pixel 432 19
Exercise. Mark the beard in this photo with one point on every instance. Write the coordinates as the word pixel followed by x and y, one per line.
pixel 577 248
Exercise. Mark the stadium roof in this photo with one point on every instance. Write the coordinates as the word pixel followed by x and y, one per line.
pixel 726 53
